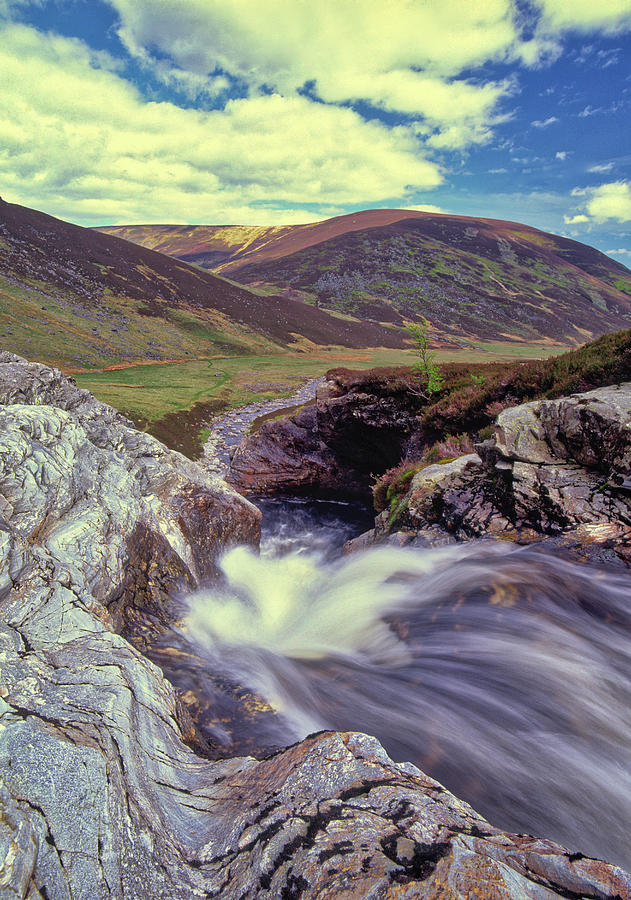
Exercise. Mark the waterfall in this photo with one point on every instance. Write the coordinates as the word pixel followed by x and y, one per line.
pixel 502 671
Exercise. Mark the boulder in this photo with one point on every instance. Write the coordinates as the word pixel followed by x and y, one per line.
pixel 359 426
pixel 592 429
pixel 287 456
pixel 82 489
pixel 553 467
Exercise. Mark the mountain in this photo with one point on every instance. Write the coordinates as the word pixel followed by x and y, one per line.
pixel 226 248
pixel 480 278
pixel 79 298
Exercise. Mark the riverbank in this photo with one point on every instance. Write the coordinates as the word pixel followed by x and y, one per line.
pixel 227 430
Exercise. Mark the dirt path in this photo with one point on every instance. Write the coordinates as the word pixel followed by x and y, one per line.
pixel 229 429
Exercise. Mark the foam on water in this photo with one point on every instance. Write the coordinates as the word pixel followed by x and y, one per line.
pixel 504 672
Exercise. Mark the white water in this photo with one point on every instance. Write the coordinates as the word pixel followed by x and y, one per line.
pixel 504 672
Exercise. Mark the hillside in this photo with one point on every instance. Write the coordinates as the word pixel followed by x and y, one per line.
pixel 227 248
pixel 76 297
pixel 478 278
pixel 209 246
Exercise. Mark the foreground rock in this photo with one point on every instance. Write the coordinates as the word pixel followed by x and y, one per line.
pixel 84 492
pixel 101 797
pixel 554 468
pixel 360 425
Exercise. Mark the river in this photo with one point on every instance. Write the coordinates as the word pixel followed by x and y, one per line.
pixel 502 671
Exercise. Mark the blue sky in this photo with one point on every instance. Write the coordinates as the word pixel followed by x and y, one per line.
pixel 251 112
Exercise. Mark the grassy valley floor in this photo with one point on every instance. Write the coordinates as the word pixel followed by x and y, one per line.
pixel 176 400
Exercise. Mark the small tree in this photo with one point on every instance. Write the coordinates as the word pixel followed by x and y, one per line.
pixel 428 374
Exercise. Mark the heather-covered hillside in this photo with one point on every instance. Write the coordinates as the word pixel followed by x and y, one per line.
pixel 479 278
pixel 73 296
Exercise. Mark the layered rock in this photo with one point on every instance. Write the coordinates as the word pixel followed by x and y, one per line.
pixel 359 426
pixel 82 488
pixel 101 797
pixel 553 468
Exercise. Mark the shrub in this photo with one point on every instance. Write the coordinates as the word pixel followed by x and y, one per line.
pixel 389 489
pixel 428 374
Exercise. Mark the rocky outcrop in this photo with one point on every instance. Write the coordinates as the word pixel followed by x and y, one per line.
pixel 288 456
pixel 101 797
pixel 359 426
pixel 553 468
pixel 81 488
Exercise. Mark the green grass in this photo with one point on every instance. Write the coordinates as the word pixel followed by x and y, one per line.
pixel 45 324
pixel 151 392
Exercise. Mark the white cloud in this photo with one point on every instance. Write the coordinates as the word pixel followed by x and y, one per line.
pixel 585 15
pixel 561 154
pixel 610 201
pixel 622 252
pixel 80 141
pixel 604 203
pixel 77 138
pixel 426 207
pixel 544 123
pixel 287 42
pixel 601 167
pixel 402 56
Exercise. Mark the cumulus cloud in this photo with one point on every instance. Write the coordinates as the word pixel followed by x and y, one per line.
pixel 79 140
pixel 607 202
pixel 305 130
pixel 288 42
pixel 622 252
pixel 561 154
pixel 610 201
pixel 402 57
pixel 585 15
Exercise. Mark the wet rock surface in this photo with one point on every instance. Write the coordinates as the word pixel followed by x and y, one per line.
pixel 554 469
pixel 359 426
pixel 100 796
pixel 229 429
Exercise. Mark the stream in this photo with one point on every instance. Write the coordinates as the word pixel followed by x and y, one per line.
pixel 229 429
pixel 502 671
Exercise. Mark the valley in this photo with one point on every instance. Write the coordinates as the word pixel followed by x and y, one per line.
pixel 171 344
pixel 175 400
pixel 83 300
pixel 478 278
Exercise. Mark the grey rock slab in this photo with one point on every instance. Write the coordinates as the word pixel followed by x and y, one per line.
pixel 439 473
pixel 519 434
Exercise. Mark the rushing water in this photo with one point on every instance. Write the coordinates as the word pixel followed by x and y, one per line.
pixel 504 672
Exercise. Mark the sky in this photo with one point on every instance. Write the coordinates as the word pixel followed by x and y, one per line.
pixel 283 111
